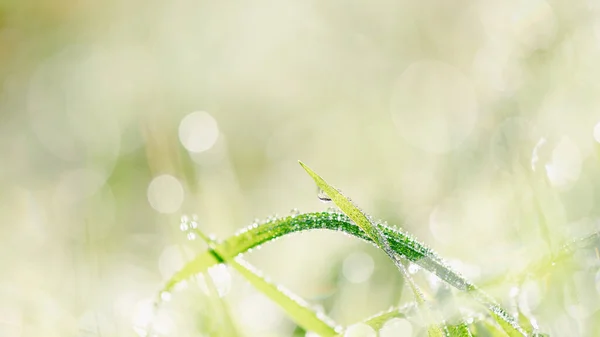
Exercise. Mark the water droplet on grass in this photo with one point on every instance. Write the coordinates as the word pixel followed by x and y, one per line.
pixel 191 236
pixel 323 196
pixel 165 296
pixel 184 226
pixel 360 330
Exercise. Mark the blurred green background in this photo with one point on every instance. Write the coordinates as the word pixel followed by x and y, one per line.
pixel 472 124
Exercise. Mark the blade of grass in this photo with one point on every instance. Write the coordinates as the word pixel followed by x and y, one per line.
pixel 459 330
pixel 375 234
pixel 353 212
pixel 258 234
pixel 295 307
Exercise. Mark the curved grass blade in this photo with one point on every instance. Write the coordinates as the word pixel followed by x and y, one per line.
pixel 294 306
pixel 345 204
pixel 400 242
pixel 258 234
pixel 375 234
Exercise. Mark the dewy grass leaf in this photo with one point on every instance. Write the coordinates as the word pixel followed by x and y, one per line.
pixel 295 307
pixel 459 330
pixel 375 234
pixel 509 325
pixel 351 211
pixel 257 234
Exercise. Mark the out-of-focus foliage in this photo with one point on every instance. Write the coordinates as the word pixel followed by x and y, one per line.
pixel 474 124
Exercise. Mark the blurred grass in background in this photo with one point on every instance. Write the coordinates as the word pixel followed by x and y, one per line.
pixel 471 124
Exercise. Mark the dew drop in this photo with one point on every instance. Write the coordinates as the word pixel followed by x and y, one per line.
pixel 184 226
pixel 165 296
pixel 181 285
pixel 358 267
pixel 294 212
pixel 191 236
pixel 194 224
pixel 396 327
pixel 360 330
pixel 185 218
pixel 413 268
pixel 323 196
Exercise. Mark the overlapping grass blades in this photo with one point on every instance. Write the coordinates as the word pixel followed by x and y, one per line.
pixel 393 241
pixel 258 234
pixel 294 306
pixel 380 240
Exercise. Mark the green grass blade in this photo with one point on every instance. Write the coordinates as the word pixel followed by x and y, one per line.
pixel 400 242
pixel 258 234
pixel 375 234
pixel 459 330
pixel 485 328
pixel 294 306
pixel 378 321
pixel 353 212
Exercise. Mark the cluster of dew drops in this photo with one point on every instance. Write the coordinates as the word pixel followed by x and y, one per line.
pixel 188 225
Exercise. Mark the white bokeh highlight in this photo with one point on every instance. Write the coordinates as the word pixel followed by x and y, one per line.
pixel 565 167
pixel 396 327
pixel 165 194
pixel 358 267
pixel 198 131
pixel 221 278
pixel 597 132
pixel 360 330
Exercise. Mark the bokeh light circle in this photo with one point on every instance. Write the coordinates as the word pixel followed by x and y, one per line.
pixel 360 330
pixel 198 131
pixel 165 194
pixel 396 327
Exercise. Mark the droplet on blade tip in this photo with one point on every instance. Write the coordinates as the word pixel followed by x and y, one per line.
pixel 323 196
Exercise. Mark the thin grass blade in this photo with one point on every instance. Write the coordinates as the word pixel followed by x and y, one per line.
pixel 294 306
